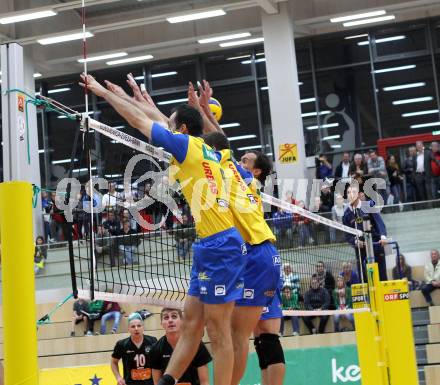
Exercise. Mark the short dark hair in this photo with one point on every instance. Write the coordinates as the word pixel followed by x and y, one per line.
pixel 167 309
pixel 217 140
pixel 264 164
pixel 185 114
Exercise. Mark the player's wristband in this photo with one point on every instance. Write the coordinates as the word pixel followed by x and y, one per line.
pixel 167 380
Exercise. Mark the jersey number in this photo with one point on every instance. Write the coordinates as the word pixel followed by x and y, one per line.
pixel 140 360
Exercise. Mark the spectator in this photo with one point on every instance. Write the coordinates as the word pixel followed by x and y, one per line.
pixel 343 169
pixel 45 205
pixel 404 273
pixel 316 298
pixel 323 167
pixel 408 170
pixel 432 277
pixel 185 235
pixel 376 169
pixel 327 199
pixel 103 245
pixel 80 310
pixel 109 200
pixel 358 169
pixel 349 275
pixel 282 224
pixel 290 301
pixel 94 313
pixel 197 373
pixel 128 241
pixel 302 224
pixel 325 280
pixel 126 216
pixel 422 172
pixel 435 169
pixel 338 210
pixel 111 310
pixel 40 254
pixel 395 178
pixel 355 216
pixel 318 207
pixel 289 278
pixel 342 300
pixel 112 225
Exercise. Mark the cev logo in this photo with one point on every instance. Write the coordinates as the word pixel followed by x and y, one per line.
pixel 350 374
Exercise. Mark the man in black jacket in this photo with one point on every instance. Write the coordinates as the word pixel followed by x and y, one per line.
pixel 422 172
pixel 343 169
pixel 316 298
pixel 408 169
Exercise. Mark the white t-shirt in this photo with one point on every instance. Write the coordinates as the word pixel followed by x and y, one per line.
pixel 109 200
pixel 420 162
pixel 345 168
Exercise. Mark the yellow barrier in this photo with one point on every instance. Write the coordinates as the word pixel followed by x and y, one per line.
pixel 83 375
pixel 17 250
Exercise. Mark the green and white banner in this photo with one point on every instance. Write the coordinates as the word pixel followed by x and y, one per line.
pixel 317 366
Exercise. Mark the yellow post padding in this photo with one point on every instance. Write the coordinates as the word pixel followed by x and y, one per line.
pixel 19 317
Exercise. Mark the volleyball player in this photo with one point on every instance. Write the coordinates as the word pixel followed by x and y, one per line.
pixel 218 262
pixel 134 352
pixel 197 372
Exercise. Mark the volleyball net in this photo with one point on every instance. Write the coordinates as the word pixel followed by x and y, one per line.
pixel 131 242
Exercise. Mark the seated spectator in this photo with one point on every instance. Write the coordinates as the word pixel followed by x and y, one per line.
pixel 128 241
pixel 290 301
pixel 282 224
pixel 290 278
pixel 110 200
pixel 358 169
pixel 40 254
pixel 327 199
pixel 80 309
pixel 161 352
pixel 111 224
pixel 316 298
pixel 405 272
pixel 343 169
pixel 126 216
pixel 111 310
pixel 432 276
pixel 342 300
pixel 349 275
pixel 185 234
pixel 103 245
pixel 325 280
pixel 94 313
pixel 303 225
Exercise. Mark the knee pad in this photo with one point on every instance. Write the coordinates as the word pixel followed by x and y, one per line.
pixel 271 350
pixel 257 345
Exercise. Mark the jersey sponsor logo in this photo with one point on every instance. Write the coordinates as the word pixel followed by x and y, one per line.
pixel 243 249
pixel 166 355
pixel 219 290
pixel 129 351
pixel 237 176
pixel 203 290
pixel 211 180
pixel 239 285
pixel 209 154
pixel 269 293
pixel 252 199
pixel 248 294
pixel 222 202
pixel 276 260
pixel 203 276
pixel 265 310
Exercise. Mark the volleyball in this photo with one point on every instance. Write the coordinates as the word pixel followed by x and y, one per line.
pixel 216 108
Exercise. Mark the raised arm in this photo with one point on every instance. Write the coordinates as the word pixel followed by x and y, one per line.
pixel 193 101
pixel 132 114
pixel 206 92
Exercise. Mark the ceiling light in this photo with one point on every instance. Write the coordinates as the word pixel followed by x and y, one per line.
pixel 404 86
pixel 241 137
pixel 392 69
pixel 183 100
pixel 224 38
pixel 37 75
pixel 129 60
pixel 357 16
pixel 63 38
pixel 331 137
pixel 83 169
pixel 264 88
pixel 113 175
pixel 41 151
pixel 384 40
pixel 162 74
pixel 27 16
pixel 238 57
pixel 356 36
pixel 242 42
pixel 196 16
pixel 256 61
pixel 229 125
pixel 329 125
pixel 435 132
pixel 307 114
pixel 413 100
pixel 309 100
pixel 250 147
pixel 418 113
pixel 369 21
pixel 300 83
pixel 57 90
pixel 425 125
pixel 63 161
pixel 38 93
pixel 336 146
pixel 102 57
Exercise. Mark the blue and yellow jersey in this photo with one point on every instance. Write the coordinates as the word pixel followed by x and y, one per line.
pixel 253 185
pixel 196 167
pixel 245 206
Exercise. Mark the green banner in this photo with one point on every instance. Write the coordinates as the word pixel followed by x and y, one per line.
pixel 318 366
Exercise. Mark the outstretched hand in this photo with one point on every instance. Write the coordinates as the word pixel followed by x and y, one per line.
pixel 193 99
pixel 205 92
pixel 137 94
pixel 117 90
pixel 92 85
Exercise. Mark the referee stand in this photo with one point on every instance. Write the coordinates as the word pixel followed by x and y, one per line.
pixel 385 340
